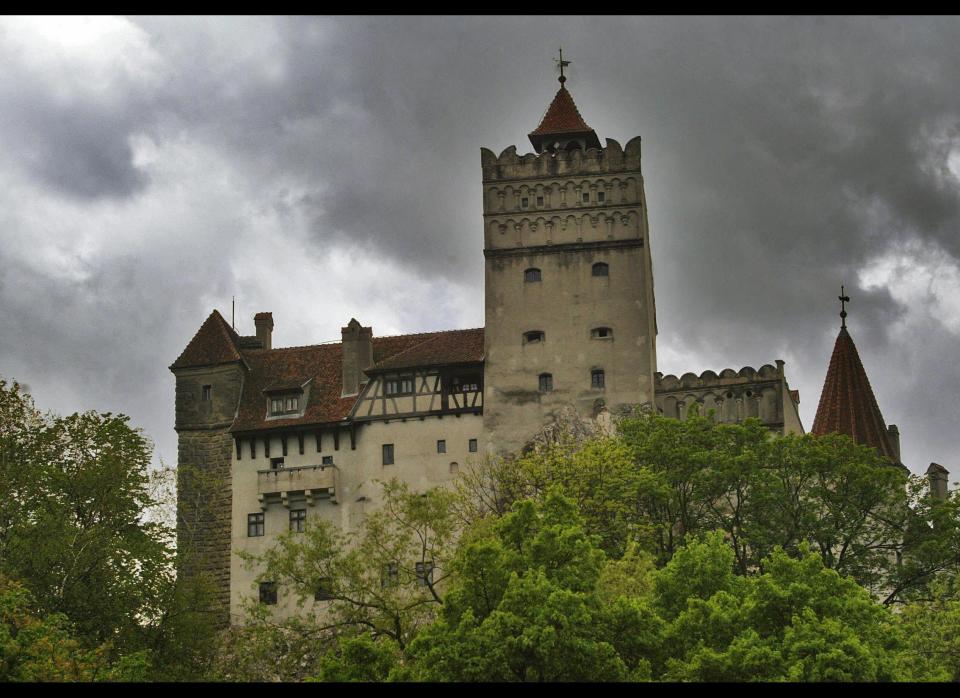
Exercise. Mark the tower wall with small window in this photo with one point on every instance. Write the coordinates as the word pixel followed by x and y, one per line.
pixel 570 314
pixel 205 405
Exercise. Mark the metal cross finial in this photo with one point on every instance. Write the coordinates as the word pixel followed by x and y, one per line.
pixel 844 299
pixel 563 64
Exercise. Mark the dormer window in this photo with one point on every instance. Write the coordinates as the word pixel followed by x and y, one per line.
pixel 284 404
pixel 531 275
pixel 601 333
pixel 533 337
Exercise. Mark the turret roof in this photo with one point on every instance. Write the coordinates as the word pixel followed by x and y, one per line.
pixel 847 404
pixel 562 116
pixel 214 343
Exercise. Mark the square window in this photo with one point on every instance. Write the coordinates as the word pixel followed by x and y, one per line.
pixel 546 382
pixel 601 197
pixel 326 460
pixel 596 378
pixel 268 593
pixel 472 445
pixel 441 446
pixel 276 463
pixel 532 275
pixel 206 394
pixel 298 518
pixel 425 573
pixel 388 454
pixel 254 525
pixel 324 589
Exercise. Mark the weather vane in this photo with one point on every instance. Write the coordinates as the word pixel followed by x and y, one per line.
pixel 844 299
pixel 562 64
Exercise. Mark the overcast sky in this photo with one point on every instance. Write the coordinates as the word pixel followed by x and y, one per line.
pixel 328 168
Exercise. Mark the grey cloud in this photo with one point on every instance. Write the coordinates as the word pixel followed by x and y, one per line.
pixel 780 156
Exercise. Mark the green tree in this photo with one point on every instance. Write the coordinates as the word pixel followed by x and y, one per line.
pixel 524 606
pixel 45 648
pixel 82 528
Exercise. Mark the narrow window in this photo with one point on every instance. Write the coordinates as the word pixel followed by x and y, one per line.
pixel 472 445
pixel 390 575
pixel 254 525
pixel 326 460
pixel 539 201
pixel 601 269
pixel 454 467
pixel 441 446
pixel 586 197
pixel 298 518
pixel 268 593
pixel 276 463
pixel 531 275
pixel 207 393
pixel 525 202
pixel 533 336
pixel 276 405
pixel 388 454
pixel 406 385
pixel 546 382
pixel 324 589
pixel 293 404
pixel 596 378
pixel 601 333
pixel 425 573
pixel 601 197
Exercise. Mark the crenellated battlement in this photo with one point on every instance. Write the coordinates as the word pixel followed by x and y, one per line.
pixel 593 161
pixel 726 377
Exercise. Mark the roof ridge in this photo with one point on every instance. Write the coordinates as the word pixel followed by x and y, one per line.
pixel 336 342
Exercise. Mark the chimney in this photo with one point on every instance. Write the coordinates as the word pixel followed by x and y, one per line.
pixel 264 324
pixel 937 475
pixel 894 435
pixel 357 344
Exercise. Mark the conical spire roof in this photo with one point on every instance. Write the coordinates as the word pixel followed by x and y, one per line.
pixel 563 122
pixel 847 404
pixel 562 116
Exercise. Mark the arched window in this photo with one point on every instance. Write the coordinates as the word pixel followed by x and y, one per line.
pixel 546 382
pixel 533 336
pixel 601 333
pixel 532 274
pixel 454 467
pixel 601 269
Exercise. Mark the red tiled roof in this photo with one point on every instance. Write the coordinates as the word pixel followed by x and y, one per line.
pixel 847 404
pixel 322 366
pixel 214 343
pixel 453 347
pixel 562 116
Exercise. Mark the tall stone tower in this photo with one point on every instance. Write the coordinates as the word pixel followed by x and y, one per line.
pixel 570 314
pixel 210 374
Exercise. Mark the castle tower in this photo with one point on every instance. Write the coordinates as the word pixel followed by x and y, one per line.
pixel 570 315
pixel 209 375
pixel 847 404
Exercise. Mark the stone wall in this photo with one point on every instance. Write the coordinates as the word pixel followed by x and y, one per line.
pixel 203 511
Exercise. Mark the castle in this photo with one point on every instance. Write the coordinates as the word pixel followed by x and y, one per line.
pixel 570 334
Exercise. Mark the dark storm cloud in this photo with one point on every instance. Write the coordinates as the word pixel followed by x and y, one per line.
pixel 781 158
